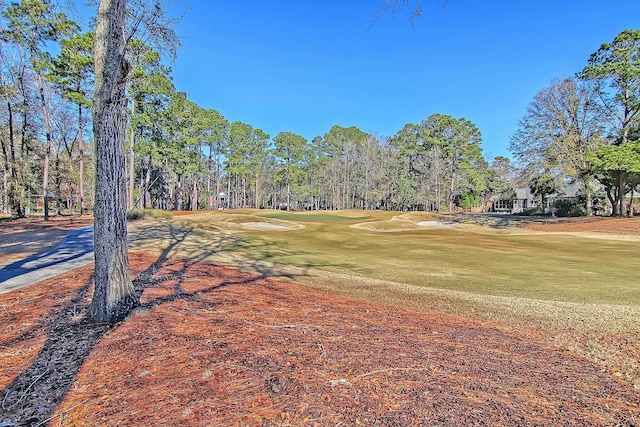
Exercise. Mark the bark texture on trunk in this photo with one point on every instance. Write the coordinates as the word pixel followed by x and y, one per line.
pixel 588 198
pixel 114 294
pixel 47 153
pixel 622 183
pixel 132 168
pixel 81 160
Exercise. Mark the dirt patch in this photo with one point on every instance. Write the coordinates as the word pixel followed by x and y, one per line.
pixel 623 226
pixel 37 223
pixel 218 347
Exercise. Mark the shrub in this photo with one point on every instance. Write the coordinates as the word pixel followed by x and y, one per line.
pixel 134 214
pixel 529 212
pixel 569 207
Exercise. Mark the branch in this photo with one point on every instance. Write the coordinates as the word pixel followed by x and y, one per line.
pixel 398 5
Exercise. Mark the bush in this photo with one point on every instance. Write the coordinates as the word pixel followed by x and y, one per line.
pixel 569 207
pixel 470 201
pixel 134 214
pixel 529 212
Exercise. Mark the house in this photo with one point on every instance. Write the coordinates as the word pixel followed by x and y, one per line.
pixel 526 200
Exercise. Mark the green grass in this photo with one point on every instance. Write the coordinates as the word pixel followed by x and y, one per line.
pixel 548 267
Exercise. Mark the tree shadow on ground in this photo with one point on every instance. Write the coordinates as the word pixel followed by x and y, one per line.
pixel 492 220
pixel 32 398
pixel 211 243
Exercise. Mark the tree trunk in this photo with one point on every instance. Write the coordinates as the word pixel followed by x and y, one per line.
pixel 228 201
pixel 147 179
pixel 13 199
pixel 5 176
pixel 5 190
pixel 218 177
pixel 257 194
pixel 194 193
pixel 451 199
pixel 236 201
pixel 114 294
pixel 58 183
pixel 288 195
pixel 612 201
pixel 81 161
pixel 47 153
pixel 177 200
pixel 131 164
pixel 588 198
pixel 17 205
pixel 621 192
pixel 244 192
pixel 210 170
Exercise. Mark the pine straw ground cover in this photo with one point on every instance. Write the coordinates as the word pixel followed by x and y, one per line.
pixel 213 346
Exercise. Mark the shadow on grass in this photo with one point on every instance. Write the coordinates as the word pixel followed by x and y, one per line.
pixel 32 398
pixel 257 254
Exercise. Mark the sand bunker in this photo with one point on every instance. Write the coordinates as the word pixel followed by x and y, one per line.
pixel 437 223
pixel 266 226
pixel 406 222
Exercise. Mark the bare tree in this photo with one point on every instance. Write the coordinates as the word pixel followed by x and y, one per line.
pixel 394 6
pixel 562 127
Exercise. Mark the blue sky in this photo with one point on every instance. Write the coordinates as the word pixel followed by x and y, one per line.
pixel 306 65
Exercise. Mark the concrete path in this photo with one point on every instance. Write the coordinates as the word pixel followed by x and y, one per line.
pixel 75 251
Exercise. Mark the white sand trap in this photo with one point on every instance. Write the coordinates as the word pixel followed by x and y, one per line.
pixel 437 223
pixel 400 223
pixel 265 226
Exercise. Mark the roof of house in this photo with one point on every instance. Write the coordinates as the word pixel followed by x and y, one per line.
pixel 524 193
pixel 567 190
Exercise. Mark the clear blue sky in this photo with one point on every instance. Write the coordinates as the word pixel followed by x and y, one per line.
pixel 305 65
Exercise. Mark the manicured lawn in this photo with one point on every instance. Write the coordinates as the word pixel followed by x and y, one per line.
pixel 554 267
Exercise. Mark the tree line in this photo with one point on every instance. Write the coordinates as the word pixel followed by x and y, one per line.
pixel 180 156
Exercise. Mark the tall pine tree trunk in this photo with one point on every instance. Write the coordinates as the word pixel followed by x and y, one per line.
pixel 13 188
pixel 257 194
pixel 131 164
pixel 228 190
pixel 194 193
pixel 114 294
pixel 81 162
pixel 47 153
pixel 147 180
pixel 177 199
pixel 218 178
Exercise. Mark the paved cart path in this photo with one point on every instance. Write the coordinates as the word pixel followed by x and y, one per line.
pixel 75 251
